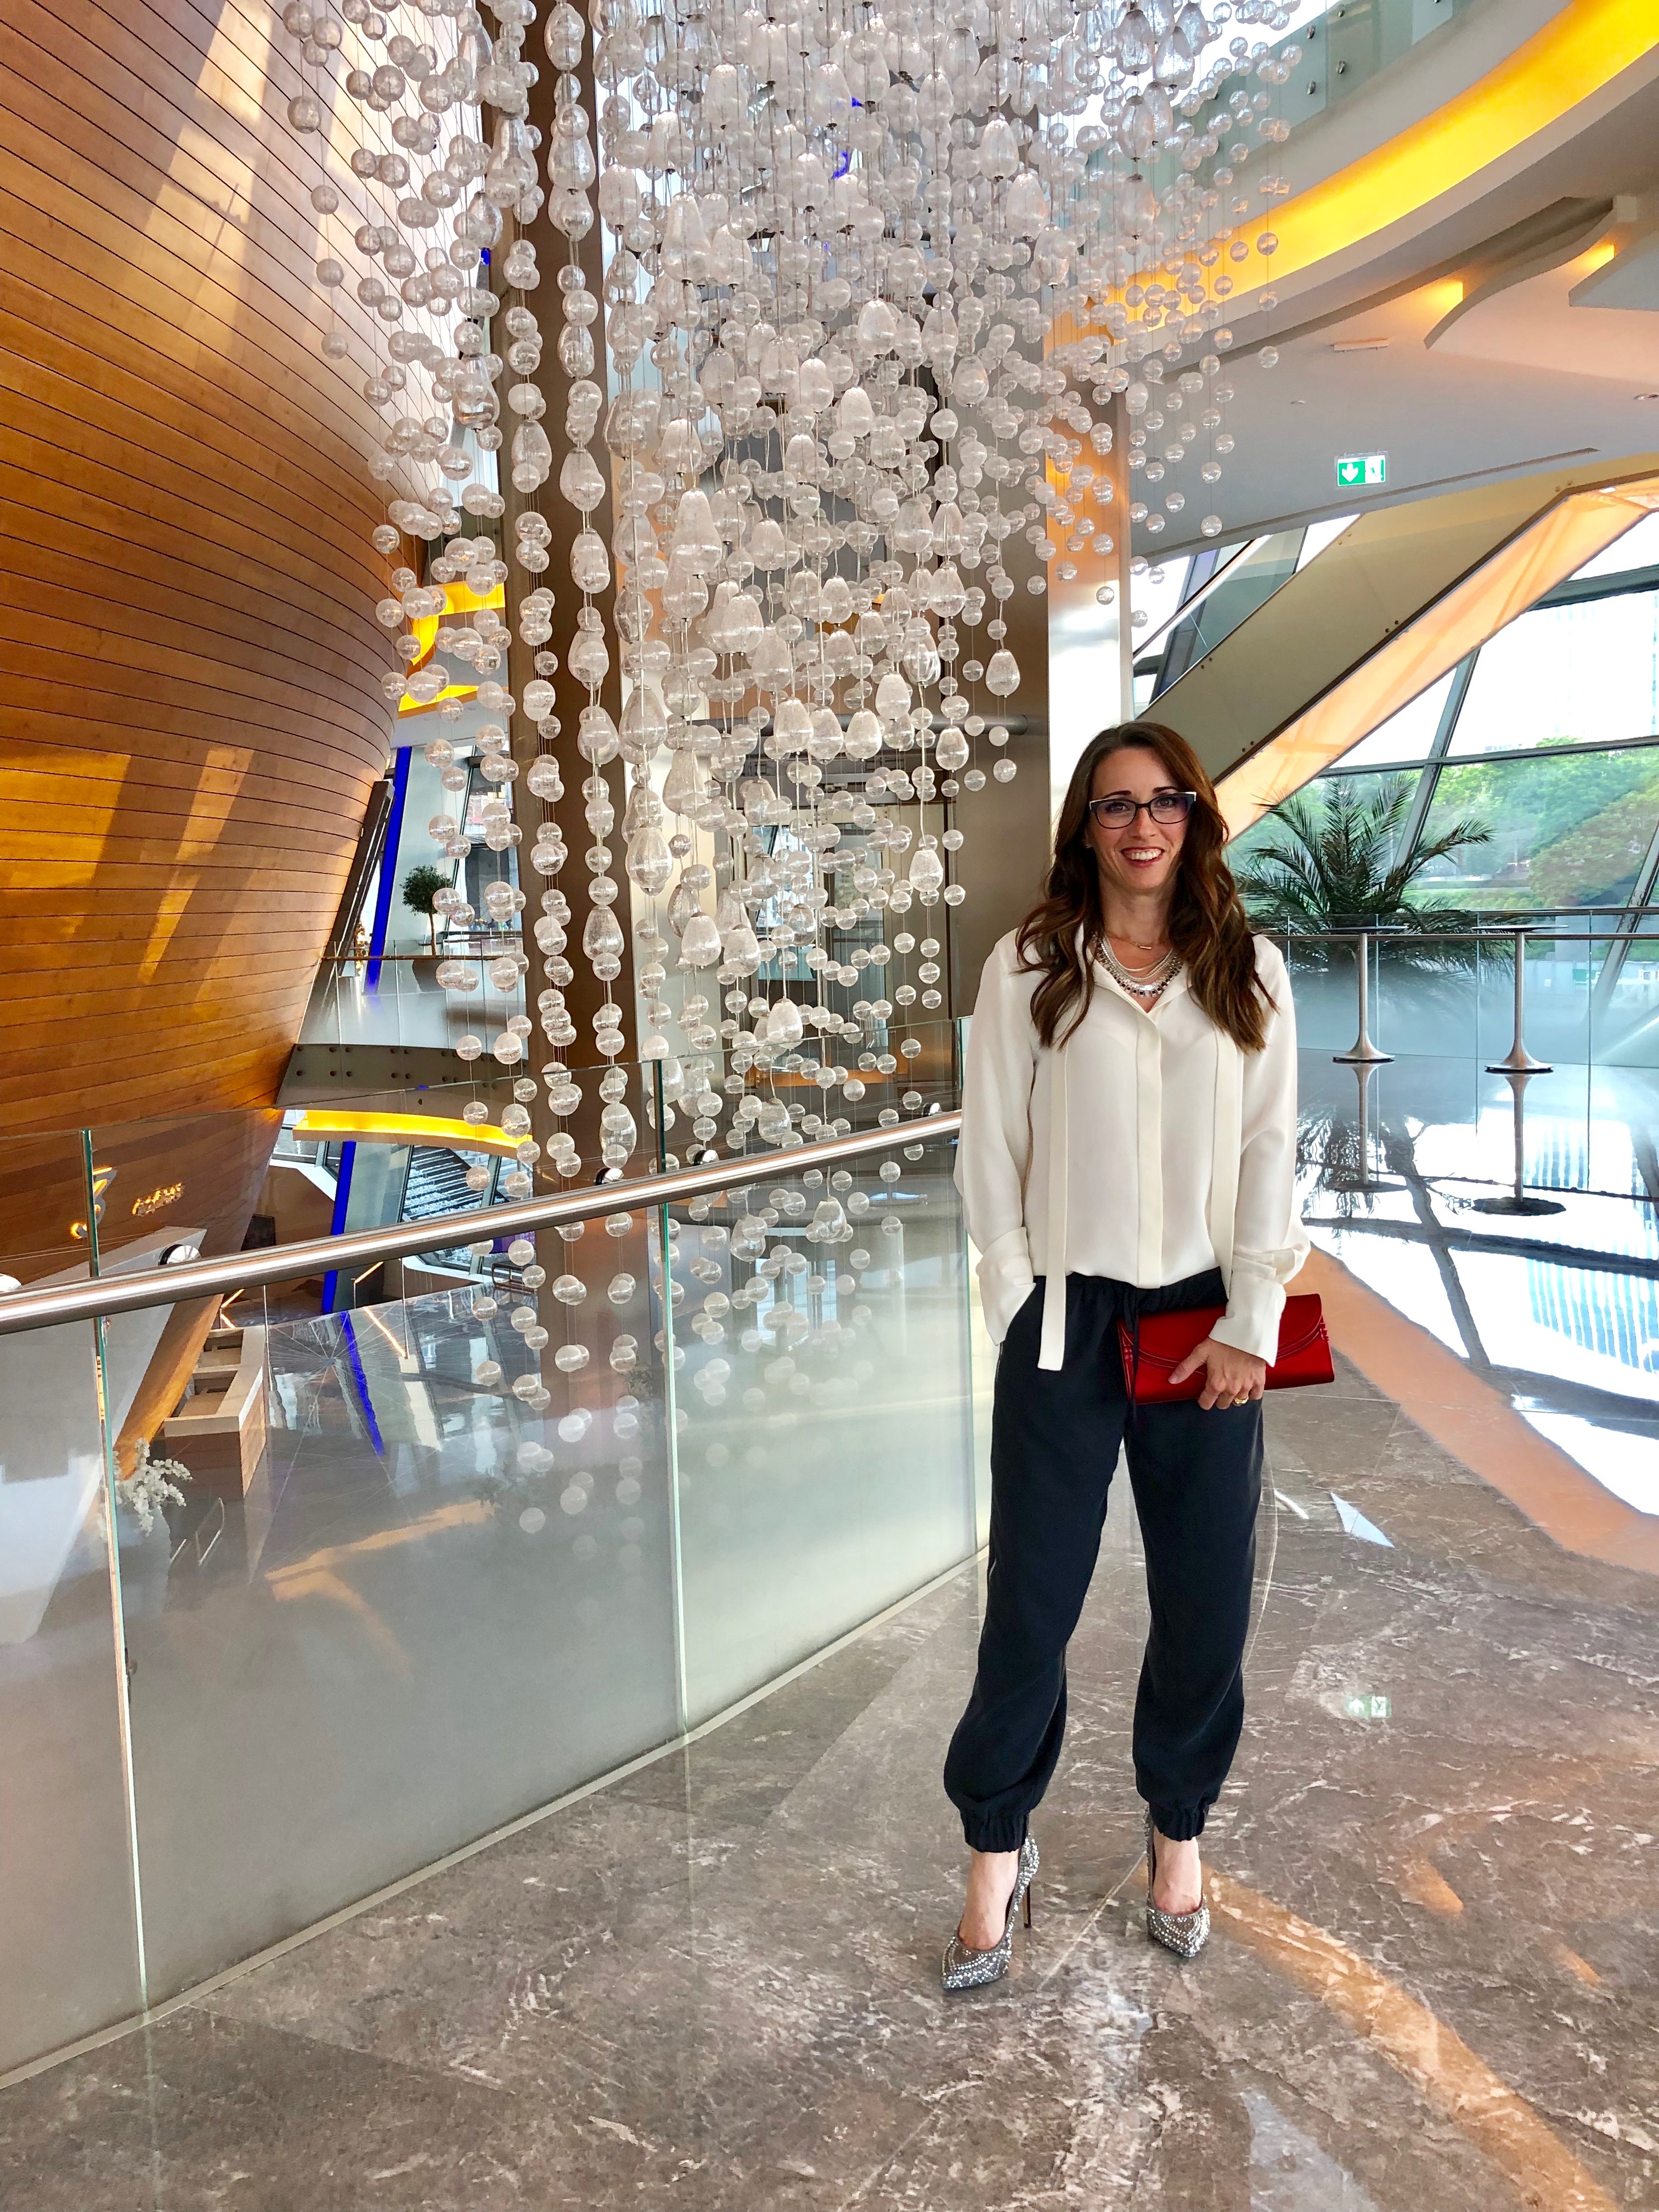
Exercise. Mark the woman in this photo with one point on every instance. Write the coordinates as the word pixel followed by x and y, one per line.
pixel 1128 1147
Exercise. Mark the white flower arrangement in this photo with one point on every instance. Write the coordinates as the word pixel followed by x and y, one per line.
pixel 153 1484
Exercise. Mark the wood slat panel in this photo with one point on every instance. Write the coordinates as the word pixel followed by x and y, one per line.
pixel 191 714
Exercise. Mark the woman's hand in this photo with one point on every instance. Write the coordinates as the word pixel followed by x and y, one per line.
pixel 1231 1377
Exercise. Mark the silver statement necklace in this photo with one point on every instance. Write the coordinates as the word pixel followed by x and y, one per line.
pixel 1147 984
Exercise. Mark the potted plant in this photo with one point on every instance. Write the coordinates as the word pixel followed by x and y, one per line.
pixel 421 887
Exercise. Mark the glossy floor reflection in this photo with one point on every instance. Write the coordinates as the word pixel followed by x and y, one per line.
pixel 713 1985
pixel 1523 1234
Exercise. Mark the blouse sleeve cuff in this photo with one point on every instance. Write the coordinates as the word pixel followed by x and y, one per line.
pixel 1006 1281
pixel 1251 1322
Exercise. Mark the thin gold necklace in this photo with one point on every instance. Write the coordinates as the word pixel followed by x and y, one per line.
pixel 1141 944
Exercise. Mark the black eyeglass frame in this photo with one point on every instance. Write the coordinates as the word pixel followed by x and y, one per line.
pixel 1189 799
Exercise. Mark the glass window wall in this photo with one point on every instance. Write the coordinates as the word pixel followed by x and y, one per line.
pixel 1569 830
pixel 1547 738
pixel 1581 673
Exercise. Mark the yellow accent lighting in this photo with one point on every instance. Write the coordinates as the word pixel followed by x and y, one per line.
pixel 1577 52
pixel 460 600
pixel 324 1125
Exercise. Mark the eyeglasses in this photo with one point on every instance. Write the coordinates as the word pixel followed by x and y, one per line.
pixel 1168 807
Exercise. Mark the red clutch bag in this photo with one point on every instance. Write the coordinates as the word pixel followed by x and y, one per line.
pixel 1303 1356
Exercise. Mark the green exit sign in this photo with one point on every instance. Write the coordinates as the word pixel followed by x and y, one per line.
pixel 1355 470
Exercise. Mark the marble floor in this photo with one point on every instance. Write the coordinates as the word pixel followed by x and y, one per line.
pixel 713 1983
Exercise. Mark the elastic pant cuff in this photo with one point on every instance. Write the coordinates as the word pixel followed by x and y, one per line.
pixel 1004 1833
pixel 1180 1823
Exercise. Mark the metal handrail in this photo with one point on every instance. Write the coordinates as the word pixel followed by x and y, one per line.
pixel 277 1263
pixel 1403 934
pixel 349 959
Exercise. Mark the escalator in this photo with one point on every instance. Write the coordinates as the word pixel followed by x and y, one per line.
pixel 1221 589
pixel 1330 648
pixel 436 1186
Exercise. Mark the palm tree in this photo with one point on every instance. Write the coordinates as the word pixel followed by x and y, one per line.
pixel 1331 864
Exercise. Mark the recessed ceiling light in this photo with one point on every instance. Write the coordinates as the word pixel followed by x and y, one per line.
pixel 1359 345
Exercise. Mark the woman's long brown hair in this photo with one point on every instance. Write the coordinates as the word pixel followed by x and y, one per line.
pixel 1063 934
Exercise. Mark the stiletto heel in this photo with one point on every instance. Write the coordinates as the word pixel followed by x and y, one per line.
pixel 1184 1932
pixel 965 1968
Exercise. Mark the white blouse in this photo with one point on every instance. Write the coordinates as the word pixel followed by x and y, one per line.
pixel 1148 1148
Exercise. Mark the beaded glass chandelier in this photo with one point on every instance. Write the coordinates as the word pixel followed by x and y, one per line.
pixel 880 288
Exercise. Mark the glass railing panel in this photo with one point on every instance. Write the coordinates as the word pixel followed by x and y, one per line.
pixel 388 1600
pixel 1447 990
pixel 416 1605
pixel 417 999
pixel 1563 963
pixel 1327 56
pixel 68 1951
pixel 824 1403
pixel 1625 1001
pixel 1431 990
pixel 1323 986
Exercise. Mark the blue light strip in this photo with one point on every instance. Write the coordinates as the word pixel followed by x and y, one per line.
pixel 388 882
pixel 336 1226
pixel 354 1361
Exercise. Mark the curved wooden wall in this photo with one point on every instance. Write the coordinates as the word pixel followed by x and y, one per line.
pixel 191 715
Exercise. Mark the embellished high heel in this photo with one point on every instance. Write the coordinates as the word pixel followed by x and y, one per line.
pixel 1184 1932
pixel 966 1969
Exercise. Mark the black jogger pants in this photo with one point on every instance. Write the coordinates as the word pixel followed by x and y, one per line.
pixel 1197 1481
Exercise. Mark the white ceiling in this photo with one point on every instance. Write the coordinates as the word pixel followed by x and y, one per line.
pixel 1535 325
pixel 1520 379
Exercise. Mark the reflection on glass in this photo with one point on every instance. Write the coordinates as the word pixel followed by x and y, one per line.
pixel 431 1609
pixel 826 1450
pixel 1571 829
pixel 1579 674
pixel 69 1960
pixel 1318 535
pixel 1157 590
pixel 1250 584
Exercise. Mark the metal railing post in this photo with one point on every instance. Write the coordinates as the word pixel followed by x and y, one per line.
pixel 671 1420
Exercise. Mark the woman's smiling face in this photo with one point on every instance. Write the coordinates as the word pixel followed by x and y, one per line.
pixel 1140 855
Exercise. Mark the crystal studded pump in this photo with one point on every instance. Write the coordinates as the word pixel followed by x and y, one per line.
pixel 968 1969
pixel 1184 1932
